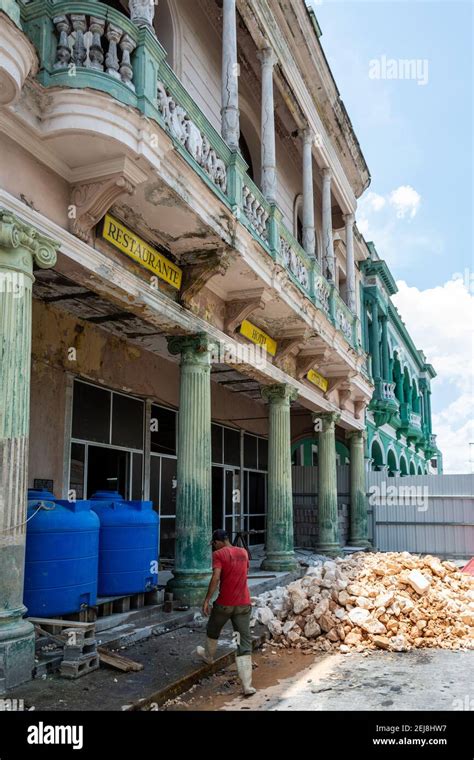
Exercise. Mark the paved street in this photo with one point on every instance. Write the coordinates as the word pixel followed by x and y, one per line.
pixel 417 680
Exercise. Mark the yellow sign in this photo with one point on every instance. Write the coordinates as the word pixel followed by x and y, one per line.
pixel 132 245
pixel 317 379
pixel 248 330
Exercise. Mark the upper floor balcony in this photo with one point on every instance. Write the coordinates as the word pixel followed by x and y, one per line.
pixel 99 55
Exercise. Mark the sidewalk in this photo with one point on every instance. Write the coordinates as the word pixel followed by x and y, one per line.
pixel 168 656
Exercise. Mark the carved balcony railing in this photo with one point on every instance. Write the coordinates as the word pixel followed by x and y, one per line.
pixel 88 44
pixel 255 208
pixel 388 391
pixel 415 420
pixel 344 318
pixel 322 290
pixel 432 441
pixel 297 262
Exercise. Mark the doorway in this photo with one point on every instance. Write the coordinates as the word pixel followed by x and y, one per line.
pixel 225 505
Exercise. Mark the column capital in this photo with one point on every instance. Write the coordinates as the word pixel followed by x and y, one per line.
pixel 326 174
pixel 359 436
pixel 307 134
pixel 15 234
pixel 329 419
pixel 267 56
pixel 191 347
pixel 349 219
pixel 278 394
pixel 142 12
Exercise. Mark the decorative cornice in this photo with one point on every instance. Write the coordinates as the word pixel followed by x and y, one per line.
pixel 15 233
pixel 277 394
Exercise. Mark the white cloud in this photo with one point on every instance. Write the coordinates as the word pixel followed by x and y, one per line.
pixel 405 200
pixel 375 201
pixel 440 322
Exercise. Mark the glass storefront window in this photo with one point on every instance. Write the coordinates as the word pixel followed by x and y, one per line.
pixel 91 413
pixel 163 430
pixel 231 447
pixel 127 422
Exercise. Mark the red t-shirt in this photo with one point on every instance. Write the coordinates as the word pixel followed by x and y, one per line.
pixel 234 563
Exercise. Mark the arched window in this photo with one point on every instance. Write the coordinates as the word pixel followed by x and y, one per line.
pixel 412 468
pixel 392 463
pixel 403 466
pixel 246 155
pixel 376 454
pixel 298 219
pixel 165 23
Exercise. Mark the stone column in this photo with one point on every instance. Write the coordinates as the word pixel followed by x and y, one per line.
pixel 309 239
pixel 374 330
pixel 230 115
pixel 279 545
pixel 193 498
pixel 358 523
pixel 350 265
pixel 142 12
pixel 20 245
pixel 385 354
pixel 328 518
pixel 428 404
pixel 329 262
pixel 268 60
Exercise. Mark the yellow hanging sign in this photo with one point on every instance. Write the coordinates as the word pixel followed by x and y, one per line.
pixel 132 245
pixel 257 336
pixel 317 379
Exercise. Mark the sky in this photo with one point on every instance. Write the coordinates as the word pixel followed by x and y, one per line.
pixel 404 71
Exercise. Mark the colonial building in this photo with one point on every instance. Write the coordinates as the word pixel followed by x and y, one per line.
pixel 400 437
pixel 181 270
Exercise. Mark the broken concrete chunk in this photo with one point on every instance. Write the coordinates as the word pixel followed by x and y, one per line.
pixel 419 582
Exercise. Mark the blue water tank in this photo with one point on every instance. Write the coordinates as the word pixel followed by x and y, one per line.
pixel 128 544
pixel 62 555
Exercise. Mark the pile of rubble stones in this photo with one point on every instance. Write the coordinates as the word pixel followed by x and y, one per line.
pixel 393 601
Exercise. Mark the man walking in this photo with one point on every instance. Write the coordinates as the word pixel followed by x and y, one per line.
pixel 229 572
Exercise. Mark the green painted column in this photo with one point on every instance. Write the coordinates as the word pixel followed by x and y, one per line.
pixel 375 341
pixel 279 544
pixel 192 569
pixel 385 353
pixel 328 519
pixel 20 245
pixel 358 535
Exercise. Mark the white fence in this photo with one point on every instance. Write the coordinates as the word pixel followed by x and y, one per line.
pixel 425 514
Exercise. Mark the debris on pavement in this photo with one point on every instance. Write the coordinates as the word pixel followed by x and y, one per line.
pixel 388 601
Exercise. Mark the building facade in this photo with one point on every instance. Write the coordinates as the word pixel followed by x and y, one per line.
pixel 183 292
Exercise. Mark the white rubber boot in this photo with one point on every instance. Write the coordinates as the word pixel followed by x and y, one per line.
pixel 244 669
pixel 208 652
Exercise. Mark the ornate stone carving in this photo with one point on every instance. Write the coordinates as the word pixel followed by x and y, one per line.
pixel 196 143
pixel 279 393
pixel 344 324
pixel 294 263
pixel 201 268
pixel 322 293
pixel 91 200
pixel 237 311
pixel 15 233
pixel 255 212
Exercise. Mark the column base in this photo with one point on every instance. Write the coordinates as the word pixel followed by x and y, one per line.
pixel 332 550
pixel 17 650
pixel 189 588
pixel 279 563
pixel 364 543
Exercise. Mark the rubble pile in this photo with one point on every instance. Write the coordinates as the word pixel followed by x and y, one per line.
pixel 394 601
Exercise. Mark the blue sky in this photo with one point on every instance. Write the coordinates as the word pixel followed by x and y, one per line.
pixel 417 141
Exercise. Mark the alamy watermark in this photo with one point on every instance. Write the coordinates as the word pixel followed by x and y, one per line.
pixel 386 495
pixel 223 353
pixel 414 69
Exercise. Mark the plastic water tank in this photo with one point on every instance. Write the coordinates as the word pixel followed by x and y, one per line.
pixel 128 544
pixel 62 555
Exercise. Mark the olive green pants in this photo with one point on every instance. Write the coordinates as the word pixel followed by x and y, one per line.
pixel 240 619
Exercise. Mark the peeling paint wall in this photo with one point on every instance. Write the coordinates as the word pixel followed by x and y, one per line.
pixel 115 363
